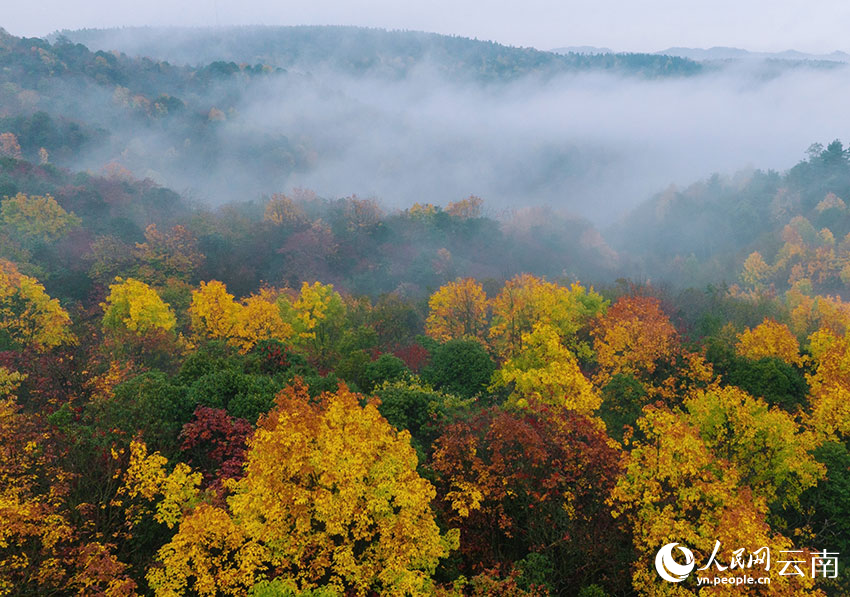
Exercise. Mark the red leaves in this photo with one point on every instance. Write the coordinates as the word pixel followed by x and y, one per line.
pixel 510 480
pixel 216 444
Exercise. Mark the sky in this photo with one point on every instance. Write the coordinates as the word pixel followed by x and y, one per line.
pixel 817 26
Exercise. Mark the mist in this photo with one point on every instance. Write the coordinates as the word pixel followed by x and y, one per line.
pixel 594 144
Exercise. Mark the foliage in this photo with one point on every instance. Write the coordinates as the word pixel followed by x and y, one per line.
pixel 460 367
pixel 457 310
pixel 545 371
pixel 37 218
pixel 362 525
pixel 133 306
pixel 28 316
pixel 526 300
pixel 770 339
pixel 497 483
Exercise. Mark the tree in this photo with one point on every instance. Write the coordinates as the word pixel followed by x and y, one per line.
pixel 330 496
pixel 829 385
pixel 532 482
pixel 466 209
pixel 457 310
pixel 260 319
pixel 772 454
pixel 755 271
pixel 769 339
pixel 9 146
pixel 317 316
pixel 36 218
pixel 675 489
pixel 460 367
pixel 174 254
pixel 28 316
pixel 544 370
pixel 632 337
pixel 526 300
pixel 215 314
pixel 133 306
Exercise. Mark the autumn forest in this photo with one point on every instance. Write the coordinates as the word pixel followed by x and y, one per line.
pixel 285 392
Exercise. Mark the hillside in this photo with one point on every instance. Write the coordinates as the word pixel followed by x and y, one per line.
pixel 359 51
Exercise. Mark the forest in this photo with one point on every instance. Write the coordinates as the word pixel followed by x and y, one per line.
pixel 290 393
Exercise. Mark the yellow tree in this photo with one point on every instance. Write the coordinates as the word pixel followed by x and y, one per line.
pixel 330 497
pixel 457 310
pixel 466 209
pixel 810 312
pixel 829 385
pixel 769 339
pixel 281 210
pixel 772 453
pixel 35 531
pixel 260 319
pixel 9 146
pixel 526 300
pixel 148 490
pixel 37 218
pixel 317 316
pixel 755 271
pixel 28 316
pixel 174 254
pixel 547 372
pixel 133 306
pixel 214 312
pixel 675 489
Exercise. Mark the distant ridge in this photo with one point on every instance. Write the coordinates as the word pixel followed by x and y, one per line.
pixel 727 53
pixel 358 50
pixel 582 50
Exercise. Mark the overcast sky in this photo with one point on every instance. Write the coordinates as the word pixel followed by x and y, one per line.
pixel 623 25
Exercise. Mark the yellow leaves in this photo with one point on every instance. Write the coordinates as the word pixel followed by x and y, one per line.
pixel 134 306
pixel 466 209
pixel 213 311
pixel 678 487
pixel 212 552
pixel 28 316
pixel 809 313
pixel 260 319
pixel 829 386
pixel 422 210
pixel 755 271
pixel 281 210
pixel 215 314
pixel 632 337
pixel 545 370
pixel 770 451
pixel 330 495
pixel 769 339
pixel 526 300
pixel 10 381
pixel 33 529
pixel 464 497
pixel 37 218
pixel 146 478
pixel 315 304
pixel 457 310
pixel 9 146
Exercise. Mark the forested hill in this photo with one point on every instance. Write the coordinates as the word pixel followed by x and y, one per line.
pixel 357 50
pixel 786 227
